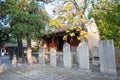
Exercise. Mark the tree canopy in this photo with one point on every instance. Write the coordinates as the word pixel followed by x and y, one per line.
pixel 71 18
pixel 107 17
pixel 27 21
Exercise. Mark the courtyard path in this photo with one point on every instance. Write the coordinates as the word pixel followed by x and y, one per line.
pixel 39 72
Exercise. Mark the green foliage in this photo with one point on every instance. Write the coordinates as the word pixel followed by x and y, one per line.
pixel 4 36
pixel 28 20
pixel 35 49
pixel 70 18
pixel 107 17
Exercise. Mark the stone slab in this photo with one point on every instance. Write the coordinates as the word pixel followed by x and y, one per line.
pixel 107 57
pixel 83 55
pixel 67 56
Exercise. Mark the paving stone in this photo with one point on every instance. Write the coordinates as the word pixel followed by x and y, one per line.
pixel 39 72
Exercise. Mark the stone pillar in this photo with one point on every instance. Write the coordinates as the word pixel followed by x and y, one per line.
pixel 41 55
pixel 67 56
pixel 14 61
pixel 107 57
pixel 53 57
pixel 83 55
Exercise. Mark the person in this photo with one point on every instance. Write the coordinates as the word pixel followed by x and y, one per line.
pixel 3 51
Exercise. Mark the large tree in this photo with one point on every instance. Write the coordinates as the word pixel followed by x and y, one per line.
pixel 28 21
pixel 70 16
pixel 107 17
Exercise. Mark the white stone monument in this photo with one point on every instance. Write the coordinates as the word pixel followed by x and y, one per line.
pixel 93 38
pixel 107 57
pixel 14 61
pixel 83 56
pixel 67 56
pixel 41 55
pixel 53 61
pixel 95 56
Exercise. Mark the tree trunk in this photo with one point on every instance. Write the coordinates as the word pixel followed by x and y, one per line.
pixel 28 53
pixel 20 47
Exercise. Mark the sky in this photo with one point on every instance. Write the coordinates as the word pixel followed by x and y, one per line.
pixel 51 6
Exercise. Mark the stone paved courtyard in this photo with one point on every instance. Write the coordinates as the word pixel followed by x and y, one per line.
pixel 39 72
